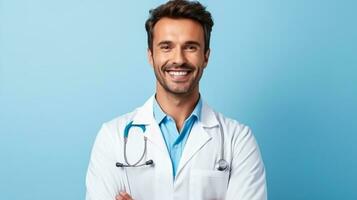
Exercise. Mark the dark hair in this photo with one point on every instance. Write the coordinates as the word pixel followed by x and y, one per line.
pixel 177 9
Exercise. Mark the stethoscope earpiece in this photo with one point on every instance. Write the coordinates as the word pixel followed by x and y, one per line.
pixel 118 164
pixel 148 162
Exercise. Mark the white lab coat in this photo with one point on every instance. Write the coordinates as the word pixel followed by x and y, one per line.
pixel 197 177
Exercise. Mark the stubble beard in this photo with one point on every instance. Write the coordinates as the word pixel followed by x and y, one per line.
pixel 179 91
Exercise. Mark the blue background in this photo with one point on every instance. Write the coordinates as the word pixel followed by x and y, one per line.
pixel 286 68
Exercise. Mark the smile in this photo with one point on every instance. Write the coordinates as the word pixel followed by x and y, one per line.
pixel 178 73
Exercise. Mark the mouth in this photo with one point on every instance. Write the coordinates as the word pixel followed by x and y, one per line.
pixel 179 75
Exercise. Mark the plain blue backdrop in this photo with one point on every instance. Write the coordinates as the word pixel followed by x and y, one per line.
pixel 286 68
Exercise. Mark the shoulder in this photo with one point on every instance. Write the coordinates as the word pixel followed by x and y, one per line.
pixel 230 125
pixel 239 137
pixel 139 115
pixel 118 123
pixel 233 129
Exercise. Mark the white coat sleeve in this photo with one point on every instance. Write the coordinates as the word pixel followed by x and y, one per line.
pixel 103 180
pixel 247 178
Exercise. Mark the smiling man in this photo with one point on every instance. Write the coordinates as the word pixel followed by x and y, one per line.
pixel 175 146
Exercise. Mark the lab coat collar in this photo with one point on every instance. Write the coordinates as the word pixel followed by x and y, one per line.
pixel 145 114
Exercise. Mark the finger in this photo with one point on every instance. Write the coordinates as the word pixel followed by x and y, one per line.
pixel 125 196
pixel 120 197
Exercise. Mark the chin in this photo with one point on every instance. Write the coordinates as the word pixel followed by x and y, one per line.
pixel 180 91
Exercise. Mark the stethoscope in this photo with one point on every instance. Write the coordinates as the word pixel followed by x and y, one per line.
pixel 221 165
pixel 126 135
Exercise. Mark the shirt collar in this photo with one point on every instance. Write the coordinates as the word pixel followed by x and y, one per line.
pixel 160 115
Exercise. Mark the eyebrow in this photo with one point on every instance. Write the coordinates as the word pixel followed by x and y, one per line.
pixel 193 42
pixel 164 42
pixel 186 43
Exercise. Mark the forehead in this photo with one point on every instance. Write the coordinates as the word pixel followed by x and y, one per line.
pixel 179 30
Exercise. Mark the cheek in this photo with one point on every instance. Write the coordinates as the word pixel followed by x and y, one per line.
pixel 159 59
pixel 198 61
pixel 157 64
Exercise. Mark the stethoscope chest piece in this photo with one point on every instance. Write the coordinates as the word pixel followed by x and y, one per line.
pixel 222 165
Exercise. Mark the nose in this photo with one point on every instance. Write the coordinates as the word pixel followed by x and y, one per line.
pixel 179 57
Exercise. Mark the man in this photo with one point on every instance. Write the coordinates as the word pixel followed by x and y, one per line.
pixel 175 146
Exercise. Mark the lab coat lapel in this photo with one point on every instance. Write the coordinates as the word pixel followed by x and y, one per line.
pixel 196 140
pixel 198 136
pixel 145 115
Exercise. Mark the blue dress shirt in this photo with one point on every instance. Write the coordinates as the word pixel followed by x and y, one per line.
pixel 175 141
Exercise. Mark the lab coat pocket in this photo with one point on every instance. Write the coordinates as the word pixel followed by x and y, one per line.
pixel 208 184
pixel 140 182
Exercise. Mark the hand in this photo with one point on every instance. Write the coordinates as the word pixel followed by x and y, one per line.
pixel 123 196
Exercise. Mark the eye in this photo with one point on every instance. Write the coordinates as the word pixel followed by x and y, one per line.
pixel 191 48
pixel 164 47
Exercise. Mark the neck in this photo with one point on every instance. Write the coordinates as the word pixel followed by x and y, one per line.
pixel 178 106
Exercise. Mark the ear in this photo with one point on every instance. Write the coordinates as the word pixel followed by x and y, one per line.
pixel 150 58
pixel 206 58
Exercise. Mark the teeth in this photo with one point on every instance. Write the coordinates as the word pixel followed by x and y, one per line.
pixel 178 73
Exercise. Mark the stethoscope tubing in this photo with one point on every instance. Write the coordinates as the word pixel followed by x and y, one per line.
pixel 222 163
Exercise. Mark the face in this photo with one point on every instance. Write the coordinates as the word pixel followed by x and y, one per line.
pixel 178 56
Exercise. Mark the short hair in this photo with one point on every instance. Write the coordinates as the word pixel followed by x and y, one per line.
pixel 180 9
